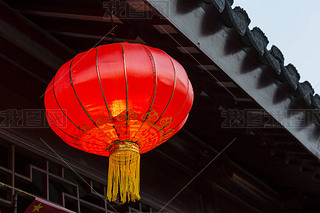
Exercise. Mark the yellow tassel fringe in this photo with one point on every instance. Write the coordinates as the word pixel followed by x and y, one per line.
pixel 124 176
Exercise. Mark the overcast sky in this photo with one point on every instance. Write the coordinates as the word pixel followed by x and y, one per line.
pixel 294 27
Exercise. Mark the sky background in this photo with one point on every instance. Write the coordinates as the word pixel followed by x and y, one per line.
pixel 294 27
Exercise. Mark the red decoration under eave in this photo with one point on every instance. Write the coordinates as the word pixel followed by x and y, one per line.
pixel 118 92
pixel 119 100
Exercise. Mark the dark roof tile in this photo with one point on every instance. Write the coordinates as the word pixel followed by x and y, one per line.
pixel 290 74
pixel 315 101
pixel 269 59
pixel 220 4
pixel 230 2
pixel 239 19
pixel 258 40
pixel 306 91
pixel 292 69
pixel 276 52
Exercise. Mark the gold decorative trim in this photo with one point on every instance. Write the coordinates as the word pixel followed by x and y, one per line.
pixel 123 146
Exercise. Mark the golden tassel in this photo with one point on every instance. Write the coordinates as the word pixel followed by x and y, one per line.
pixel 124 172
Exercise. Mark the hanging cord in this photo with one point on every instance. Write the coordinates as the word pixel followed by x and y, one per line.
pixel 111 13
pixel 113 10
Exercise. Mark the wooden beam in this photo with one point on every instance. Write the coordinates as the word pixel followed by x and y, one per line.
pixel 24 34
pixel 85 27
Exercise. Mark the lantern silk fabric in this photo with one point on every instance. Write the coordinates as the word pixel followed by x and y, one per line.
pixel 118 92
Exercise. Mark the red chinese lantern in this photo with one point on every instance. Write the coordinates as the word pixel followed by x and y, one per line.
pixel 119 100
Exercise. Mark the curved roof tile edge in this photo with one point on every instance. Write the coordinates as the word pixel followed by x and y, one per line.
pixel 239 19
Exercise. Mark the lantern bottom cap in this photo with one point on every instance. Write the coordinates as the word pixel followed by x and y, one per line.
pixel 123 146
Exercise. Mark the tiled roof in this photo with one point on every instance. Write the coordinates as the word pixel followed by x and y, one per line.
pixel 285 74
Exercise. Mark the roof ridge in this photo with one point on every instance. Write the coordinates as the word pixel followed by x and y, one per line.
pixel 239 19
